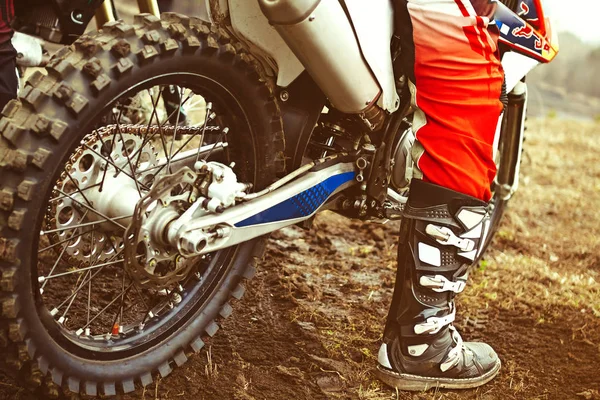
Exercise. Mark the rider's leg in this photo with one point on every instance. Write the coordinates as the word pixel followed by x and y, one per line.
pixel 452 60
pixel 8 74
pixel 8 63
pixel 456 85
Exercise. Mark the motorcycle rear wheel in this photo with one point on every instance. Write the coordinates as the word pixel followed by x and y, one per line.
pixel 51 134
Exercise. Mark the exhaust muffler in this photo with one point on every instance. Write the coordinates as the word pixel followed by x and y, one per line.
pixel 321 36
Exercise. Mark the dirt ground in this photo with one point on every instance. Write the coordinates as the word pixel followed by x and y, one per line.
pixel 310 324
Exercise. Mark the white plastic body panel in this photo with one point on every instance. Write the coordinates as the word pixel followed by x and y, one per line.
pixel 516 66
pixel 203 11
pixel 374 25
pixel 326 45
pixel 251 26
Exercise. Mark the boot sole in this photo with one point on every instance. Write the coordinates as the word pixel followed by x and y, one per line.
pixel 421 383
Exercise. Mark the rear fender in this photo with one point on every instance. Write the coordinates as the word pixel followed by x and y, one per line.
pixel 213 11
pixel 252 27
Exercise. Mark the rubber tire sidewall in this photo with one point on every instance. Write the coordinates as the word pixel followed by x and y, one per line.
pixel 39 343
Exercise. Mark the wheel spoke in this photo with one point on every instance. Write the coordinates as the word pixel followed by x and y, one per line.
pixel 112 145
pixel 117 321
pixel 81 286
pixel 106 307
pixel 89 297
pixel 137 185
pixel 175 133
pixel 58 198
pixel 65 240
pixel 108 219
pixel 62 319
pixel 78 271
pixel 224 133
pixel 206 119
pixel 117 168
pixel 83 225
pixel 62 253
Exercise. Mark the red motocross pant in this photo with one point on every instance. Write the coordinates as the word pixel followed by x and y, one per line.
pixel 451 57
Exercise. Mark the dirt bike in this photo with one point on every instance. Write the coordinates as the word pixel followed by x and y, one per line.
pixel 142 171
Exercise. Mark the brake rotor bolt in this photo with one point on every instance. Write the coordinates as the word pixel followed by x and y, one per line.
pixel 176 299
pixel 369 148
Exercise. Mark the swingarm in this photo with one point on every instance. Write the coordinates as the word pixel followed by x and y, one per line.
pixel 222 213
pixel 200 233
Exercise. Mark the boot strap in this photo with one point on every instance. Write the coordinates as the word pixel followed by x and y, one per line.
pixel 469 243
pixel 453 357
pixel 435 324
pixel 440 283
pixel 446 237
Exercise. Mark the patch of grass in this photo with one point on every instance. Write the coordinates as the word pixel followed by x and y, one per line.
pixel 483 264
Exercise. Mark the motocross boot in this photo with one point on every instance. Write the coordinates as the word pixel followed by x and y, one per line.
pixel 440 237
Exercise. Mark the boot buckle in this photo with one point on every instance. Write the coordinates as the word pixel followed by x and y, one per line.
pixel 440 284
pixel 435 324
pixel 446 237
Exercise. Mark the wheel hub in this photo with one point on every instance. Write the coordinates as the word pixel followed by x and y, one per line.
pixel 149 259
pixel 92 189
